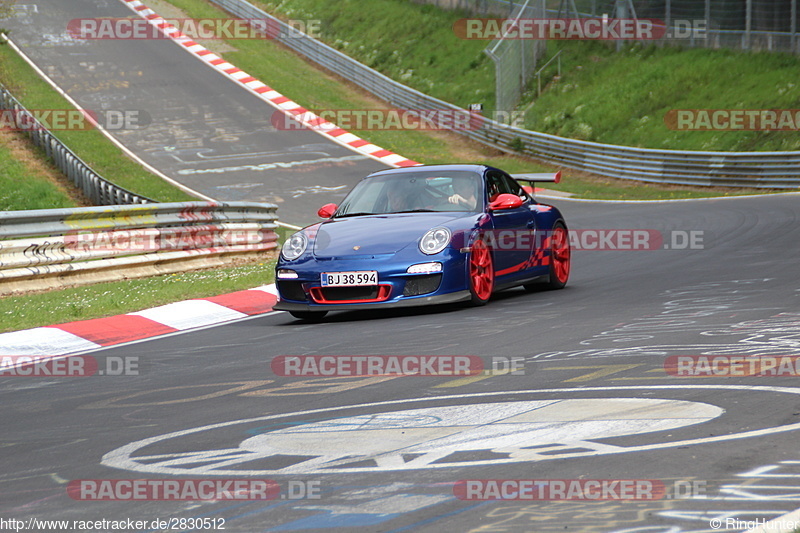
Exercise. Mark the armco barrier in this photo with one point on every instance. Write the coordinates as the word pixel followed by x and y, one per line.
pixel 97 189
pixel 57 247
pixel 731 169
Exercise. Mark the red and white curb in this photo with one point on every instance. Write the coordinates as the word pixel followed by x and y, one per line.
pixel 85 335
pixel 269 95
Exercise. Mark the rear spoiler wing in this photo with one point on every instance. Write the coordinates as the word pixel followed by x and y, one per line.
pixel 532 178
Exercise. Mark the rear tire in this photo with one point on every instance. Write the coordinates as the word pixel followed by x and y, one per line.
pixel 309 316
pixel 560 256
pixel 481 273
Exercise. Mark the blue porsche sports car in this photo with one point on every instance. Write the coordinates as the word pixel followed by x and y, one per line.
pixel 424 235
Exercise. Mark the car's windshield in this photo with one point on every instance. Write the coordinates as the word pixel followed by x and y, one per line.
pixel 409 192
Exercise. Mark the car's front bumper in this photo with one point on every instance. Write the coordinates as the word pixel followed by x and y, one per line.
pixel 417 301
pixel 396 286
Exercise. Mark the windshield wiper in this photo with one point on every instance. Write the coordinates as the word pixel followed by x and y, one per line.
pixel 417 211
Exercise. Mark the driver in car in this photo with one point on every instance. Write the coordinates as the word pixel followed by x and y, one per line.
pixel 465 195
pixel 397 199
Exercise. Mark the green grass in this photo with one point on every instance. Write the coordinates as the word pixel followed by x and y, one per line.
pixel 106 299
pixel 90 145
pixel 24 187
pixel 623 98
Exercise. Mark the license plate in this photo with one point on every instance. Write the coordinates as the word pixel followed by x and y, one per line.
pixel 349 279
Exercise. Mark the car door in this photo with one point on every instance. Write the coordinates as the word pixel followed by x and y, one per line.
pixel 512 229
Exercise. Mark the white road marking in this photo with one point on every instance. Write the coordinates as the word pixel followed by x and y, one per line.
pixel 43 341
pixel 190 314
pixel 514 440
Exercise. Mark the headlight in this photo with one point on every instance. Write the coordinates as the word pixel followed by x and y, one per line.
pixel 424 268
pixel 294 246
pixel 434 241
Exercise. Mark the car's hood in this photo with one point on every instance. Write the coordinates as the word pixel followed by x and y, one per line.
pixel 379 234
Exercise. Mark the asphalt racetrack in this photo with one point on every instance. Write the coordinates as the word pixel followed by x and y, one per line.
pixel 590 398
pixel 580 422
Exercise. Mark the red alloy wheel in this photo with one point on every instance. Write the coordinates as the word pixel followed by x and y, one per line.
pixel 481 273
pixel 559 257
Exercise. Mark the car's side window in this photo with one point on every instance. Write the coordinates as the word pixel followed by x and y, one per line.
pixel 515 187
pixel 496 185
pixel 500 183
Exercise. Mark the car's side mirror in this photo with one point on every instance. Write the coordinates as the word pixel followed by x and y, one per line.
pixel 327 210
pixel 505 201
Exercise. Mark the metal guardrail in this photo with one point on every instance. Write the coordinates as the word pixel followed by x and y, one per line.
pixel 97 189
pixel 46 247
pixel 730 169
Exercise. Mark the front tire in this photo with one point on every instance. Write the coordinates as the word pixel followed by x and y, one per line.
pixel 481 273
